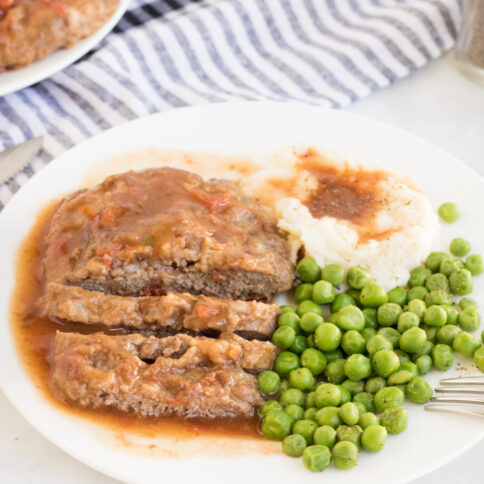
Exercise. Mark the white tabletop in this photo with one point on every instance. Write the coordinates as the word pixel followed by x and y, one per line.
pixel 438 104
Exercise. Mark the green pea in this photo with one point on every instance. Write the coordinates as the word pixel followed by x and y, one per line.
pixel 268 382
pixel 349 413
pixel 417 307
pixel 434 260
pixel 449 212
pixel 285 362
pixel 299 345
pixel 333 355
pixel 310 413
pixel 385 362
pixel 295 411
pixel 313 360
pixel 292 396
pixel 335 372
pixel 310 399
pixel 406 321
pixel 367 334
pixel 353 386
pixel 426 351
pixel 417 292
pixel 388 314
pixel 438 297
pixel 366 399
pixel 345 455
pixel 413 340
pixel 358 277
pixel 482 336
pixel 328 416
pixel 310 341
pixel 303 292
pixel 361 407
pixel 277 425
pixel 355 294
pixel 394 419
pixel 308 270
pixel 418 390
pixel 350 317
pixel 308 307
pixel 466 302
pixel 373 295
pixel 435 316
pixel 448 266
pixel 442 356
pixel 437 281
pixel 470 319
pixel 327 395
pixel 323 292
pixel 447 334
pixel 291 319
pixel 284 337
pixel 388 397
pixel 424 364
pixel 398 295
pixel 370 318
pixel 306 428
pixel 479 359
pixel 402 356
pixel 283 386
pixel 400 377
pixel 474 264
pixel 374 384
pixel 373 438
pixel 334 274
pixel 461 281
pixel 270 406
pixel 466 344
pixel 460 247
pixel 346 433
pixel 302 379
pixel 357 367
pixel 391 334
pixel 340 301
pixel 345 394
pixel 452 314
pixel 294 445
pixel 353 342
pixel 327 337
pixel 418 276
pixel 367 419
pixel 286 308
pixel 410 367
pixel 431 332
pixel 325 435
pixel 316 458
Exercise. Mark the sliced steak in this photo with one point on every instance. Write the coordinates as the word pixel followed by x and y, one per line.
pixel 176 311
pixel 100 371
pixel 168 230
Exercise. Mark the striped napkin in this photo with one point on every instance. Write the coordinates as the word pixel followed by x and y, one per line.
pixel 169 53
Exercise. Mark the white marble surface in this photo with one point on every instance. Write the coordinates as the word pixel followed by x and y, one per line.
pixel 438 104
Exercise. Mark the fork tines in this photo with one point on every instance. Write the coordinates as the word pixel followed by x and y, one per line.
pixel 463 395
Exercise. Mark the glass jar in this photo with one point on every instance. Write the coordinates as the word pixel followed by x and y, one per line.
pixel 469 49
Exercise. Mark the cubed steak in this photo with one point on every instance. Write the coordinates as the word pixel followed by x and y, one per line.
pixel 176 375
pixel 175 311
pixel 145 233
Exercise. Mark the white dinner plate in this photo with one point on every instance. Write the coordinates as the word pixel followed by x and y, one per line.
pixel 11 81
pixel 258 130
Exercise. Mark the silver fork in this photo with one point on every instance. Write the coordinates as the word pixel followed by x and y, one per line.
pixel 462 395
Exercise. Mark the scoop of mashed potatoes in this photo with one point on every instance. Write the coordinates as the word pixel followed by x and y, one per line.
pixel 347 214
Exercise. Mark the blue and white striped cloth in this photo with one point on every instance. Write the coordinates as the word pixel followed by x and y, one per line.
pixel 169 53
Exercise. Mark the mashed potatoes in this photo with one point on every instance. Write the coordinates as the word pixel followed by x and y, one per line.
pixel 348 215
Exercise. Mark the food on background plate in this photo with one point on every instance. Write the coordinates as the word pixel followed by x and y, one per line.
pixel 32 29
pixel 347 214
pixel 157 287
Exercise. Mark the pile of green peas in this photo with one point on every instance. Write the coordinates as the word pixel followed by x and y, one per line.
pixel 351 358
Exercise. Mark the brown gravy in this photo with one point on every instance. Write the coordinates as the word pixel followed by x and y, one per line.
pixel 34 336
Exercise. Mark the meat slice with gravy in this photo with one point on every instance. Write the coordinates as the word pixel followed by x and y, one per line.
pixel 175 311
pixel 164 229
pixel 177 375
